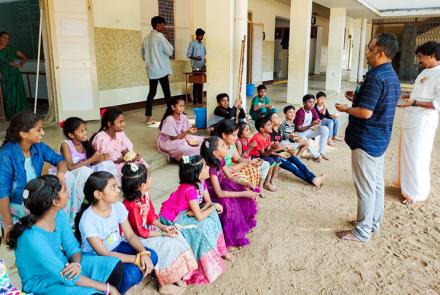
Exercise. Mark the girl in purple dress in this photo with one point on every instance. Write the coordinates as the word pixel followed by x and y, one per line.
pixel 239 203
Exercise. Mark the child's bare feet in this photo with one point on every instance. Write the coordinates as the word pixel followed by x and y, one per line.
pixel 270 187
pixel 229 256
pixel 171 289
pixel 180 283
pixel 317 160
pixel 337 138
pixel 324 156
pixel 407 201
pixel 330 142
pixel 318 180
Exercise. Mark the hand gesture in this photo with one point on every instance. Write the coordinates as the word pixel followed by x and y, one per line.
pixel 192 130
pixel 71 271
pixel 349 95
pixel 404 103
pixel 146 264
pixel 171 231
pixel 98 157
pixel 218 208
pixel 275 146
pixel 342 107
pixel 251 195
pixel 113 291
pixel 253 144
pixel 316 122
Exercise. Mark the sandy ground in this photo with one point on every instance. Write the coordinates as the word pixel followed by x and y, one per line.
pixel 294 249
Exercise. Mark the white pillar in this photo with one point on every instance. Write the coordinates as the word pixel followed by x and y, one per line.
pixel 241 19
pixel 335 49
pixel 362 49
pixel 318 53
pixel 219 47
pixel 299 50
pixel 355 56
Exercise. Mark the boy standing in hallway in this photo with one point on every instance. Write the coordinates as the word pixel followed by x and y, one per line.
pixel 156 52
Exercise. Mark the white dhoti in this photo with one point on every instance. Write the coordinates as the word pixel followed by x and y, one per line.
pixel 414 154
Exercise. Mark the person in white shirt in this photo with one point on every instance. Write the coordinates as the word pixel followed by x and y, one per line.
pixel 156 52
pixel 420 120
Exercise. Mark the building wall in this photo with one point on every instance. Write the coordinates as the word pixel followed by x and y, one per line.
pixel 119 28
pixel 265 12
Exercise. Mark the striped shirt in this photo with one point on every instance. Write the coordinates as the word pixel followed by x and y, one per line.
pixel 287 129
pixel 379 93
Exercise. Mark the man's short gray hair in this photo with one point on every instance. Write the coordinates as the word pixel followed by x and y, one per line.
pixel 388 43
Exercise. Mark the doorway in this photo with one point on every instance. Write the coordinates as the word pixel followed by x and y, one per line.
pixel 21 19
pixel 281 50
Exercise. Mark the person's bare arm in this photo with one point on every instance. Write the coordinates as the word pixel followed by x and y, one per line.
pixel 23 58
pixel 422 104
pixel 357 112
pixel 5 211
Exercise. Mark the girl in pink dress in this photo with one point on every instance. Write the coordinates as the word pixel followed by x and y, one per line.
pixel 176 133
pixel 111 140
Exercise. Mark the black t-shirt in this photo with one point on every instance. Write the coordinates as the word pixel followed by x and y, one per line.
pixel 275 136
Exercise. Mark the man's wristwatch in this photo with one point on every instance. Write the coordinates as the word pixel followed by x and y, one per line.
pixel 414 104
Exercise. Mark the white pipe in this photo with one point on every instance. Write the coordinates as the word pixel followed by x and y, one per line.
pixel 38 61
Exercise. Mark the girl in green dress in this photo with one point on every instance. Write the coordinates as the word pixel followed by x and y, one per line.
pixel 12 85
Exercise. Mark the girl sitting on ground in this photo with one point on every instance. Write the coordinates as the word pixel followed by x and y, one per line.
pixel 253 171
pixel 176 260
pixel 243 148
pixel 239 203
pixel 79 152
pixel 192 212
pixel 48 257
pixel 22 157
pixel 176 137
pixel 103 229
pixel 112 140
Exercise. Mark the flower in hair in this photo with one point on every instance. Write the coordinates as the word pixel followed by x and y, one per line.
pixel 185 159
pixel 207 144
pixel 133 167
pixel 25 194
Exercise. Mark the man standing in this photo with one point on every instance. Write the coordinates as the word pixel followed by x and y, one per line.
pixel 368 134
pixel 197 52
pixel 156 52
pixel 419 124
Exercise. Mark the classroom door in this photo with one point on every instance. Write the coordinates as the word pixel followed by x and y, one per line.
pixel 72 41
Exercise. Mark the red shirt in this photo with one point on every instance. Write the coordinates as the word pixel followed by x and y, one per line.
pixel 141 214
pixel 262 144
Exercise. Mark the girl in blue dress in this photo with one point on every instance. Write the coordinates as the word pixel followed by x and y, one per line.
pixel 48 256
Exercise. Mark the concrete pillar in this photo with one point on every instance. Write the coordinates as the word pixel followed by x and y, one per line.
pixel 299 50
pixel 318 53
pixel 241 18
pixel 363 40
pixel 335 49
pixel 355 56
pixel 219 47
